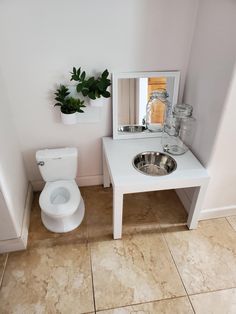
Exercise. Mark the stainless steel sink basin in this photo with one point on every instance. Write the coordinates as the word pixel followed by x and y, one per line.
pixel 132 128
pixel 154 163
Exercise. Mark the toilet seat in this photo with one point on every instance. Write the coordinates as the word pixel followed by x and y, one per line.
pixel 60 198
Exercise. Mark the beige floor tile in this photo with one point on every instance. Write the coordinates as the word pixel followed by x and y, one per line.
pixel 98 206
pixel 138 216
pixel 232 221
pixel 133 270
pixel 168 208
pixel 40 236
pixel 219 302
pixel 48 280
pixel 171 306
pixel 205 257
pixel 3 258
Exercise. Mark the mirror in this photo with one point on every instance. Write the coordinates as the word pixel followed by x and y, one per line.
pixel 130 94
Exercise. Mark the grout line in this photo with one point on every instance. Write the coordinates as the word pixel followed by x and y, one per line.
pixel 198 293
pixel 211 291
pixel 3 271
pixel 163 235
pixel 191 304
pixel 141 303
pixel 229 223
pixel 91 269
pixel 89 248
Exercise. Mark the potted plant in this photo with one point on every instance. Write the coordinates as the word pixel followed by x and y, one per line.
pixel 93 88
pixel 69 106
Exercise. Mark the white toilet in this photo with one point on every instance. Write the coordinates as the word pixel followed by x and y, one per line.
pixel 62 206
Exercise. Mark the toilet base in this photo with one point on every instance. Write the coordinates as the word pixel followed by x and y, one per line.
pixel 64 224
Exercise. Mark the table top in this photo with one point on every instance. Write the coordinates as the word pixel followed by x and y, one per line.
pixel 119 155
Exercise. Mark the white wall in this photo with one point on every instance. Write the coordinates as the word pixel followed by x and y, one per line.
pixel 222 189
pixel 210 87
pixel 13 182
pixel 42 40
pixel 7 225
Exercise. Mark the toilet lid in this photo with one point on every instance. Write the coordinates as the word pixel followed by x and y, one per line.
pixel 60 198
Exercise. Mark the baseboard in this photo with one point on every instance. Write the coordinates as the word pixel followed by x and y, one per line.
pixel 218 212
pixel 37 185
pixel 205 214
pixel 81 181
pixel 21 242
pixel 90 180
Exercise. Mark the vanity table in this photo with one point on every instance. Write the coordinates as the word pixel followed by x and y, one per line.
pixel 119 170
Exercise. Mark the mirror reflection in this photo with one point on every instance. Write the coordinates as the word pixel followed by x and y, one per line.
pixel 134 94
pixel 141 101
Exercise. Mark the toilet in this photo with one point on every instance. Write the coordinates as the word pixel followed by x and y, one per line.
pixel 62 206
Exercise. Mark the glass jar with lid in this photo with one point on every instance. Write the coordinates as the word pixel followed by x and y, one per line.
pixel 183 110
pixel 178 130
pixel 156 111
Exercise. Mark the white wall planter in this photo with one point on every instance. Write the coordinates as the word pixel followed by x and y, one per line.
pixel 98 102
pixel 68 119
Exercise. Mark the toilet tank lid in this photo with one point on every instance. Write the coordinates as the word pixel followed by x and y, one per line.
pixel 51 153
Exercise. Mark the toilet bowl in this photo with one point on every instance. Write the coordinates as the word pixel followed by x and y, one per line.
pixel 62 206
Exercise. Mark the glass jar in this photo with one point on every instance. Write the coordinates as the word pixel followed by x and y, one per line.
pixel 183 110
pixel 156 111
pixel 178 130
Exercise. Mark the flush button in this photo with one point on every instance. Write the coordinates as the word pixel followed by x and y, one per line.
pixel 41 163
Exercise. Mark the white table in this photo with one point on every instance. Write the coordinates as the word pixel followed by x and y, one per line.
pixel 118 170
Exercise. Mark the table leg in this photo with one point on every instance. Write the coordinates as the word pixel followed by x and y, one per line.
pixel 196 206
pixel 117 213
pixel 106 176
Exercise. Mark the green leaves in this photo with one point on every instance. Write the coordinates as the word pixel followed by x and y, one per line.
pixel 92 87
pixel 67 104
pixel 72 105
pixel 76 74
pixel 101 86
pixel 105 74
pixel 92 95
pixel 62 92
pixel 106 94
pixel 89 87
pixel 85 91
pixel 82 76
pixel 79 87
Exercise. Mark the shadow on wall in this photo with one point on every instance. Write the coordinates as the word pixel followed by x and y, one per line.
pixel 13 181
pixel 210 72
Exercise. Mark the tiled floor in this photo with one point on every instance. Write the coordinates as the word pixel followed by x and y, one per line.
pixel 159 266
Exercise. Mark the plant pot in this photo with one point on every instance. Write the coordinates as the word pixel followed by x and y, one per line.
pixel 69 118
pixel 98 102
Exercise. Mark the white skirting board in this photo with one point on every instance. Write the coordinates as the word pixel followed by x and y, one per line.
pixel 21 242
pixel 211 213
pixel 218 212
pixel 81 181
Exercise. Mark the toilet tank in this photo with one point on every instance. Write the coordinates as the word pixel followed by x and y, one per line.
pixel 57 164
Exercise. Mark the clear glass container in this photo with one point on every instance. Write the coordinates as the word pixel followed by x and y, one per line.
pixel 183 110
pixel 178 130
pixel 187 130
pixel 157 110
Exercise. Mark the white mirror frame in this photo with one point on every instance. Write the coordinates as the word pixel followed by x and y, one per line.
pixel 130 75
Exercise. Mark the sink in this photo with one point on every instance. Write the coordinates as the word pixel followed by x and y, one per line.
pixel 154 163
pixel 132 128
